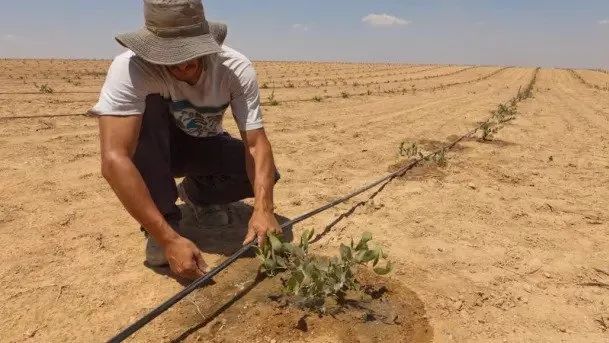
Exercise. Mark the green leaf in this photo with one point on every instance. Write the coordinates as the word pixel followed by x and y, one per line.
pixel 363 242
pixel 281 262
pixel 323 265
pixel 310 235
pixel 378 254
pixel 293 284
pixel 289 247
pixel 299 252
pixel 304 240
pixel 359 256
pixel 275 242
pixel 369 255
pixel 270 264
pixel 383 271
pixel 345 252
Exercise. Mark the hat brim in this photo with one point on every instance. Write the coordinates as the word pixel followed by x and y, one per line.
pixel 168 51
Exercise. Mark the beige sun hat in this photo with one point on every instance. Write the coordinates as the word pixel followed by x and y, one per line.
pixel 176 31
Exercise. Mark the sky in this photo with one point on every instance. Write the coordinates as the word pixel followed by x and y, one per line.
pixel 548 33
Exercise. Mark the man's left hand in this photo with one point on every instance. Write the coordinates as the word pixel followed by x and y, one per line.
pixel 261 223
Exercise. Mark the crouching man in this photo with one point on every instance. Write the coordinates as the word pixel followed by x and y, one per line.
pixel 160 117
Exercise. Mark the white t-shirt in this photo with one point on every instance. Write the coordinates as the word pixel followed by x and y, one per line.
pixel 229 80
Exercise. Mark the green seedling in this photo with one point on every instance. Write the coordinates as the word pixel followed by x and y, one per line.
pixel 489 129
pixel 408 150
pixel 44 88
pixel 440 158
pixel 311 280
pixel 271 99
pixel 505 113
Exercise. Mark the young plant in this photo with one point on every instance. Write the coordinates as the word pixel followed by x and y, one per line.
pixel 488 130
pixel 272 100
pixel 312 280
pixel 44 88
pixel 505 113
pixel 408 150
pixel 440 158
pixel 317 98
pixel 345 95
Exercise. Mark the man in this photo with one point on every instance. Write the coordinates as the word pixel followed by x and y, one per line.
pixel 160 116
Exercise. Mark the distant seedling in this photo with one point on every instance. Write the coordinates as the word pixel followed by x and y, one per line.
pixel 408 150
pixel 506 113
pixel 344 95
pixel 439 158
pixel 44 89
pixel 271 99
pixel 317 98
pixel 489 129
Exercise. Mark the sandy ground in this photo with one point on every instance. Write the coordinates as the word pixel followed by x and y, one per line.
pixel 508 242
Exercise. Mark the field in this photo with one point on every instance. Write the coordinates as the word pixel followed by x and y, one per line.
pixel 507 240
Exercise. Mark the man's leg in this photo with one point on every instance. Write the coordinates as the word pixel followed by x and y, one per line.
pixel 153 160
pixel 214 169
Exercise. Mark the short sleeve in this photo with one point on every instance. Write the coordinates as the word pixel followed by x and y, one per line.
pixel 245 98
pixel 128 83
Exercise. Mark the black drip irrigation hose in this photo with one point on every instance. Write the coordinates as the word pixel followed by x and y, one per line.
pixel 131 329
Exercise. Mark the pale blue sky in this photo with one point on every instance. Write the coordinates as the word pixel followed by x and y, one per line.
pixel 516 32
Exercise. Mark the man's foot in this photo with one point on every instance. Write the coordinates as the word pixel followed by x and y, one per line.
pixel 208 215
pixel 155 256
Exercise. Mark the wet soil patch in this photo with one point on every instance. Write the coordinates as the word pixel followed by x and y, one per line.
pixel 243 307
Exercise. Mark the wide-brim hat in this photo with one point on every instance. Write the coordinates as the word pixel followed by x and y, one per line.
pixel 176 31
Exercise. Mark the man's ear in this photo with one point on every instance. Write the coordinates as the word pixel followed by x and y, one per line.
pixel 219 31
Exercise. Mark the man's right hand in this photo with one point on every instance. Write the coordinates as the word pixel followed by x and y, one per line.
pixel 185 259
pixel 119 137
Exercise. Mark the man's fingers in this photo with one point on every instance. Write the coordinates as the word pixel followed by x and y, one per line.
pixel 261 239
pixel 251 234
pixel 201 265
pixel 190 270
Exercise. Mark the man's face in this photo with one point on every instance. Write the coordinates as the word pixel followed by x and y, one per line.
pixel 189 71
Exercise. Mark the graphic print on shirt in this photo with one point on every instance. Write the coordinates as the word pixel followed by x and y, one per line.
pixel 198 121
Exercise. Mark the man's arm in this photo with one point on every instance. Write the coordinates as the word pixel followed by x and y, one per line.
pixel 261 169
pixel 118 138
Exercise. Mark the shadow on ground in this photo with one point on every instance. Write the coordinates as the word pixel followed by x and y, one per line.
pixel 219 240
